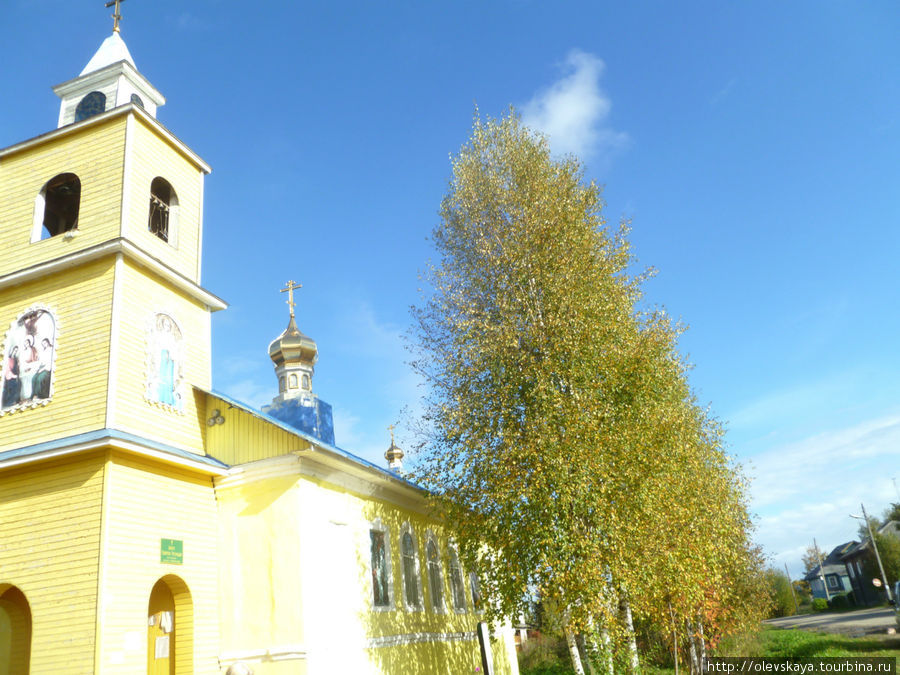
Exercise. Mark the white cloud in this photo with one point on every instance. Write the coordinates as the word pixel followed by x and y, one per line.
pixel 807 489
pixel 573 111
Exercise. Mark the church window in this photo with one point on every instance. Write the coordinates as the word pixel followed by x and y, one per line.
pixel 456 581
pixel 281 383
pixel 165 362
pixel 28 360
pixel 92 104
pixel 137 100
pixel 411 593
pixel 381 597
pixel 435 582
pixel 475 585
pixel 305 381
pixel 293 381
pixel 56 207
pixel 163 209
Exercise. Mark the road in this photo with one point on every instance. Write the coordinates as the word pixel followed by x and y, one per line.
pixel 860 622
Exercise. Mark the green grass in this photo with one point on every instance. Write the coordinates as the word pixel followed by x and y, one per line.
pixel 775 642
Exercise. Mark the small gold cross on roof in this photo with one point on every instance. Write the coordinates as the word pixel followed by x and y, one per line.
pixel 391 429
pixel 116 15
pixel 289 289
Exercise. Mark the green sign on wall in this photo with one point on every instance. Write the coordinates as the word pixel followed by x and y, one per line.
pixel 171 551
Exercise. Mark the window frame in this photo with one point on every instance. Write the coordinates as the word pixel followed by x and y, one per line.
pixel 171 209
pixel 376 526
pixel 434 567
pixel 406 529
pixel 40 211
pixel 453 556
pixel 477 606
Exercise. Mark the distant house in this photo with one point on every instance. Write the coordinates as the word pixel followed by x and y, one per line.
pixel 864 591
pixel 832 575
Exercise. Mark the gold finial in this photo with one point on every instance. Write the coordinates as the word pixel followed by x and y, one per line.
pixel 291 285
pixel 116 15
pixel 391 429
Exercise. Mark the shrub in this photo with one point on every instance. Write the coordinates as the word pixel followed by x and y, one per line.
pixel 541 653
pixel 819 604
pixel 842 601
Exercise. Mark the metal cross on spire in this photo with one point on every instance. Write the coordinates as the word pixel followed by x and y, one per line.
pixel 116 15
pixel 289 289
pixel 391 429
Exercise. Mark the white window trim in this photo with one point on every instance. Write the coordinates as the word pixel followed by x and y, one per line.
pixel 404 529
pixel 430 537
pixel 174 214
pixel 378 526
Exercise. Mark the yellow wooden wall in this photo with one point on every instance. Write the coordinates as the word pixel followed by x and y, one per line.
pixel 82 303
pixel 151 155
pixel 140 296
pixel 146 502
pixel 96 155
pixel 49 549
pixel 260 569
pixel 246 438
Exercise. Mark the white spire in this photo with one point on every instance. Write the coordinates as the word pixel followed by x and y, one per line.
pixel 111 51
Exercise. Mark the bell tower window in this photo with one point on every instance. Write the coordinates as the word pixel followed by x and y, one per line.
pixel 92 104
pixel 163 210
pixel 56 207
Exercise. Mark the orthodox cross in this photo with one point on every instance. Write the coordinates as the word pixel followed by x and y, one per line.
pixel 289 289
pixel 116 16
pixel 391 429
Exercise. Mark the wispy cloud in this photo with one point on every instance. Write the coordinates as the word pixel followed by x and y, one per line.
pixel 808 489
pixel 723 92
pixel 573 111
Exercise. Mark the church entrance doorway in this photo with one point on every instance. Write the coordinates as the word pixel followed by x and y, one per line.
pixel 15 631
pixel 170 637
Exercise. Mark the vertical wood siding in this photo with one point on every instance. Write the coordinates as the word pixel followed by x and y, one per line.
pixel 153 156
pixel 49 549
pixel 246 438
pixel 82 300
pixel 143 295
pixel 96 156
pixel 145 504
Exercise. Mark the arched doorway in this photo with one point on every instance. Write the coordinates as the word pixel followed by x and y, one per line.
pixel 170 628
pixel 15 631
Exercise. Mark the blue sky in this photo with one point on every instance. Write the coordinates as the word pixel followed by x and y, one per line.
pixel 754 146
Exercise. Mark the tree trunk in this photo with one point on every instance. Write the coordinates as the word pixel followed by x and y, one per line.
pixel 588 650
pixel 692 646
pixel 674 638
pixel 635 664
pixel 573 652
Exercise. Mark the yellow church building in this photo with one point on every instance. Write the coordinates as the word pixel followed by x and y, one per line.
pixel 148 523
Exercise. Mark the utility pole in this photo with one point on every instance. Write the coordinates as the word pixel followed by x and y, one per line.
pixel 793 594
pixel 822 571
pixel 877 556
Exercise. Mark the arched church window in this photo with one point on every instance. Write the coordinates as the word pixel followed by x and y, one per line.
pixel 435 583
pixel 411 593
pixel 305 381
pixel 163 209
pixel 475 586
pixel 456 581
pixel 137 100
pixel 293 381
pixel 56 207
pixel 92 104
pixel 28 360
pixel 165 362
pixel 380 566
pixel 281 383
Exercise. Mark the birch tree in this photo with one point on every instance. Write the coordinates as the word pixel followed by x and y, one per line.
pixel 561 431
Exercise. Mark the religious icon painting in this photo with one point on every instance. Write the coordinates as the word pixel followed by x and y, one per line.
pixel 165 362
pixel 29 357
